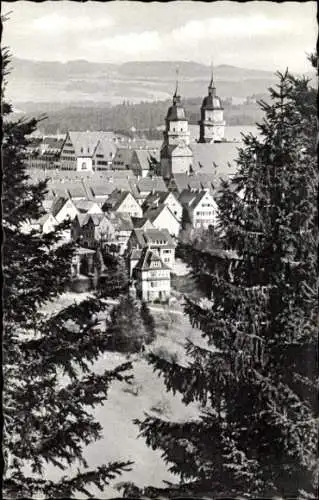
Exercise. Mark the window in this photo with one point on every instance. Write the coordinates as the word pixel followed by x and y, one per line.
pixel 84 166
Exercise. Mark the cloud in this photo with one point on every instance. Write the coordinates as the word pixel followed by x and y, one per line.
pixel 57 23
pixel 130 44
pixel 222 27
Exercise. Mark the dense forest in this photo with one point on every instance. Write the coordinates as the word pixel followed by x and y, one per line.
pixel 142 116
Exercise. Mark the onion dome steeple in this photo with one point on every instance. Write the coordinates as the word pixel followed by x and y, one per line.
pixel 212 101
pixel 176 111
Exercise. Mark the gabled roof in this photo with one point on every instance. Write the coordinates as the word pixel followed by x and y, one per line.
pixel 148 184
pixel 82 219
pixel 135 254
pixel 116 199
pixel 53 143
pixel 69 189
pixel 96 218
pixel 186 197
pixel 147 258
pixel 157 197
pixel 192 198
pixel 123 155
pixel 99 188
pixel 85 143
pixel 108 149
pixel 139 222
pixel 220 154
pixel 152 213
pixel 121 221
pixel 196 181
pixel 152 236
pixel 85 205
pixel 144 157
pixel 58 205
pixel 44 218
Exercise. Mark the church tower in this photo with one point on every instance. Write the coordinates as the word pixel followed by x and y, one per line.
pixel 211 124
pixel 176 155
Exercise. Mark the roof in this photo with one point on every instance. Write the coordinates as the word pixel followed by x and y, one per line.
pixel 176 111
pixel 82 219
pixel 121 221
pixel 187 196
pixel 58 205
pixel 139 222
pixel 85 143
pixel 123 155
pixel 84 205
pixel 149 236
pixel 96 218
pixel 108 148
pixel 147 258
pixel 148 184
pixel 192 198
pixel 135 254
pixel 157 197
pixel 53 143
pixel 116 198
pixel 44 218
pixel 101 188
pixel 69 189
pixel 144 157
pixel 215 157
pixel 152 213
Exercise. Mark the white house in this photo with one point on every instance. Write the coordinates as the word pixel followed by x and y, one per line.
pixel 155 199
pixel 123 226
pixel 88 151
pixel 152 277
pixel 64 209
pixel 162 218
pixel 201 208
pixel 158 240
pixel 123 202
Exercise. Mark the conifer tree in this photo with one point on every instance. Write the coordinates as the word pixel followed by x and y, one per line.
pixel 127 326
pixel 49 385
pixel 255 379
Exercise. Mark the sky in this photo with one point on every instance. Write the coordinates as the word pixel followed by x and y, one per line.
pixel 258 35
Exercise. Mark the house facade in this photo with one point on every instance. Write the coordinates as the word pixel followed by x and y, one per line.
pixel 97 229
pixel 141 161
pixel 64 209
pixel 152 277
pixel 155 199
pixel 123 202
pixel 88 151
pixel 201 208
pixel 162 218
pixel 158 240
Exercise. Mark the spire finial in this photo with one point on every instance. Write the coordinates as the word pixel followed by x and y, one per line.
pixel 177 76
pixel 211 86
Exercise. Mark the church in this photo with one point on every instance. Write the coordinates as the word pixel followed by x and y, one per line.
pixel 177 153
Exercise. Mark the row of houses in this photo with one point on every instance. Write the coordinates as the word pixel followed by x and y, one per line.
pixel 92 151
pixel 146 216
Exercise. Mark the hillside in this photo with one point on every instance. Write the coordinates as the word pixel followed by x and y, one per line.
pixel 82 81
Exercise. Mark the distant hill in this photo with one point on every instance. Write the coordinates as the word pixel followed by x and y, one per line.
pixel 83 81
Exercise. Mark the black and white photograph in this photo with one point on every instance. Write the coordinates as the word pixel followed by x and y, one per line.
pixel 159 251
